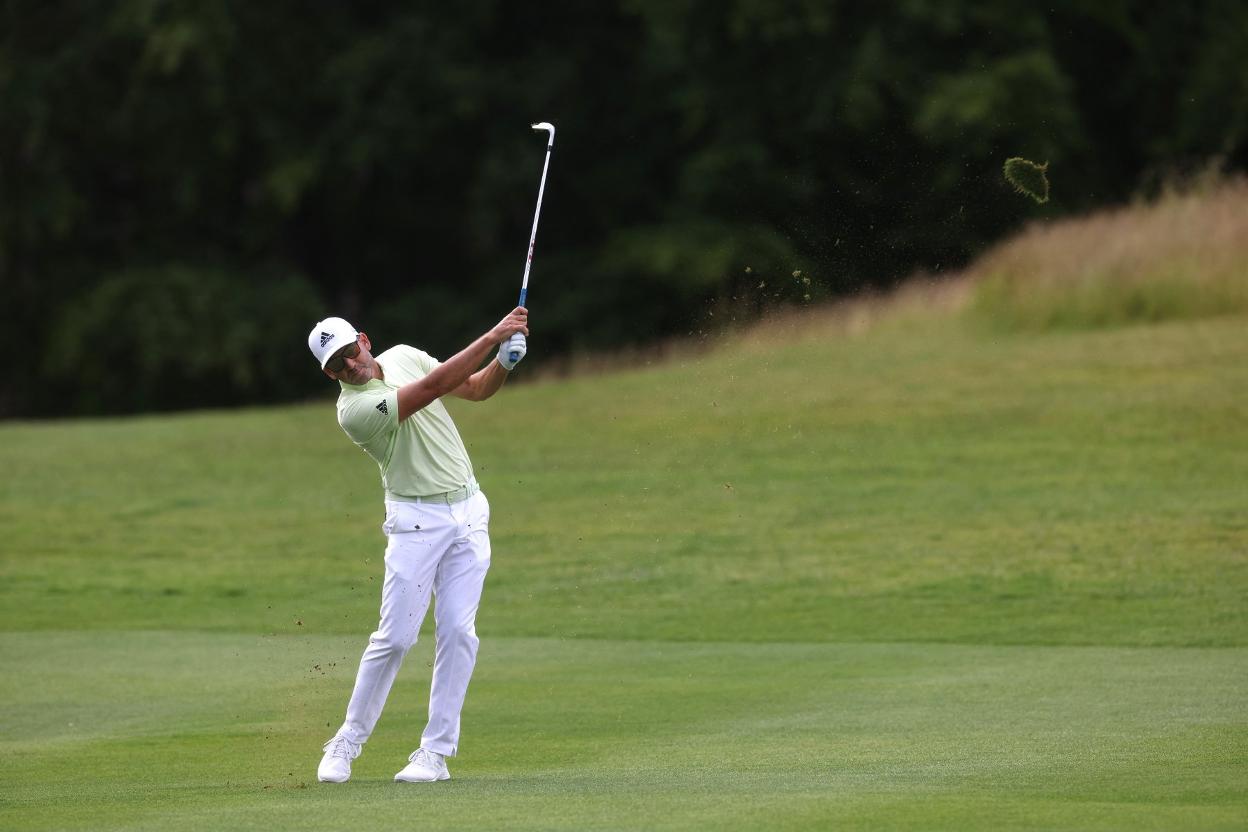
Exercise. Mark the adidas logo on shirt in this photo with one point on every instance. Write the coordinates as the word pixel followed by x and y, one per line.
pixel 326 337
pixel 382 407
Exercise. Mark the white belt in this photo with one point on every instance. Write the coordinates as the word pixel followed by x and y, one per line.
pixel 447 498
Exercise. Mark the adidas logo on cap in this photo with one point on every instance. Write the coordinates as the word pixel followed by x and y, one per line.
pixel 328 335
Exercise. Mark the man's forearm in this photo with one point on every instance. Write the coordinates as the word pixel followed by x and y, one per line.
pixel 451 374
pixel 489 380
pixel 456 370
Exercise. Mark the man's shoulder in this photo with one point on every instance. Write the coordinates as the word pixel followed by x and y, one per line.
pixel 397 351
pixel 404 355
pixel 402 349
pixel 351 396
pixel 348 400
pixel 363 411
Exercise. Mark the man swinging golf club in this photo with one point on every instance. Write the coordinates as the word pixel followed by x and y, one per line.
pixel 437 522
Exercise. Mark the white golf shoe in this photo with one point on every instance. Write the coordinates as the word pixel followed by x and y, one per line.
pixel 424 766
pixel 335 766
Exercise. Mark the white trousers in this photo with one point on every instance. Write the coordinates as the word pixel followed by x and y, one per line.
pixel 443 550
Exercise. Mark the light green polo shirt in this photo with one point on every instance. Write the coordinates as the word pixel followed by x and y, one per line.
pixel 420 456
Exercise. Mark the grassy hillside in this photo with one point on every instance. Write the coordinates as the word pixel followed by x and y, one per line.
pixel 874 567
pixel 919 482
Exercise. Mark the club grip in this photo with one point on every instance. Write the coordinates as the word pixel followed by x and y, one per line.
pixel 524 292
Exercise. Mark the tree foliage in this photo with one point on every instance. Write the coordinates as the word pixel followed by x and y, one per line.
pixel 174 172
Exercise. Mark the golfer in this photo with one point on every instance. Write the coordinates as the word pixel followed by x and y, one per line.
pixel 437 522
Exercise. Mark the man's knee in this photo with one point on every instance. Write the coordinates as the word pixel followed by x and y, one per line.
pixel 458 632
pixel 392 644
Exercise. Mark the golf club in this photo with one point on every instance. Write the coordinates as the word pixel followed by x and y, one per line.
pixel 528 262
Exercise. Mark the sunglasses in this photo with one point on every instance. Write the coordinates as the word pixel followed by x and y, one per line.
pixel 336 364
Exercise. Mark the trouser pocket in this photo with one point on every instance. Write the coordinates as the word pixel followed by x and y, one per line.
pixel 405 518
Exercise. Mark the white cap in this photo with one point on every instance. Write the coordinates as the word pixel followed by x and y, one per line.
pixel 329 336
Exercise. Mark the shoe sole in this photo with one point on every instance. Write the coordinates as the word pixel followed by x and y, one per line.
pixel 331 780
pixel 399 779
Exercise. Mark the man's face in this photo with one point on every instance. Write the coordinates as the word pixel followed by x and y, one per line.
pixel 353 363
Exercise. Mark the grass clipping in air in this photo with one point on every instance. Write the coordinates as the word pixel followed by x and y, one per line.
pixel 1028 178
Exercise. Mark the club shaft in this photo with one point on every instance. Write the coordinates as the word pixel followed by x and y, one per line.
pixel 541 190
pixel 537 213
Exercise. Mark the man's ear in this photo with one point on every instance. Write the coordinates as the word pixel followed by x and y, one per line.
pixel 365 343
pixel 328 373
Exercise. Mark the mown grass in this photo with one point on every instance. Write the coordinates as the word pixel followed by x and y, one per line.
pixel 914 574
pixel 921 483
pixel 186 730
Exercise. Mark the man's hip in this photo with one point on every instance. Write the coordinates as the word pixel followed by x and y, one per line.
pixel 445 498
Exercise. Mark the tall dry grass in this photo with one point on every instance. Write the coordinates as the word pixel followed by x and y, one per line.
pixel 1183 255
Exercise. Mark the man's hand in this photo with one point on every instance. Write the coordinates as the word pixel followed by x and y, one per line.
pixel 516 321
pixel 516 346
pixel 454 375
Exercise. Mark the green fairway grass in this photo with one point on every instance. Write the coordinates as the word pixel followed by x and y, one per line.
pixel 588 734
pixel 919 576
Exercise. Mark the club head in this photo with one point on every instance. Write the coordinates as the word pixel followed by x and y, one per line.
pixel 549 128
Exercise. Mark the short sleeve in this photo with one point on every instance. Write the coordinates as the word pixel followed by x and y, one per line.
pixel 368 415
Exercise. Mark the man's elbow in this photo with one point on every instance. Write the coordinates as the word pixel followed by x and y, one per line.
pixel 438 387
pixel 474 389
pixel 417 396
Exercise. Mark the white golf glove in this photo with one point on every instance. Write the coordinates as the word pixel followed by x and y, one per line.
pixel 515 345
